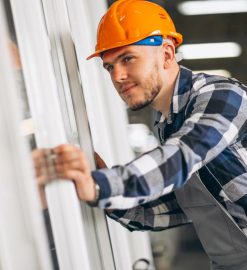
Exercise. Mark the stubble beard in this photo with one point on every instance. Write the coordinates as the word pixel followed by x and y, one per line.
pixel 149 98
pixel 151 90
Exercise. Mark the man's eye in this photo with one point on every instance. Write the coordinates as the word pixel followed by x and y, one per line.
pixel 127 58
pixel 109 68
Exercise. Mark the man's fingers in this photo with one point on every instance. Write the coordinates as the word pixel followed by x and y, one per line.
pixel 44 176
pixel 63 148
pixel 44 165
pixel 72 175
pixel 39 157
pixel 61 162
pixel 67 156
pixel 71 155
pixel 72 165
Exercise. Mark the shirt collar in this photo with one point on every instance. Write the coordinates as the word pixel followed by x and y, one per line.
pixel 180 95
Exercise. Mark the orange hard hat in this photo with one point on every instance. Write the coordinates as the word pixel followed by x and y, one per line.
pixel 129 21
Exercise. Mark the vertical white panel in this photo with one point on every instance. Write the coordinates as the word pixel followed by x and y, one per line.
pixel 108 119
pixel 64 206
pixel 66 70
pixel 23 243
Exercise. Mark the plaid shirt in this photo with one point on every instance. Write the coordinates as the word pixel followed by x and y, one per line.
pixel 206 132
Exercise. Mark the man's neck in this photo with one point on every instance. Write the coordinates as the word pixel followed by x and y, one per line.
pixel 163 100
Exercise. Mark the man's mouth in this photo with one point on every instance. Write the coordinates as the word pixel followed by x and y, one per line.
pixel 127 87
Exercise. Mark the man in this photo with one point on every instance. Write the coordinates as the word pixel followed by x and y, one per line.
pixel 199 172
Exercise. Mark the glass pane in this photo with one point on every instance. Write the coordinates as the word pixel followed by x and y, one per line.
pixel 27 124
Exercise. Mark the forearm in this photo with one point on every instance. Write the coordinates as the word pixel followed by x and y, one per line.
pixel 206 132
pixel 160 214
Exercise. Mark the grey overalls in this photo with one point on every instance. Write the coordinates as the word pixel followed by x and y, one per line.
pixel 224 242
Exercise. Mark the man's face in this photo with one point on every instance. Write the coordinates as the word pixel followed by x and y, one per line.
pixel 135 73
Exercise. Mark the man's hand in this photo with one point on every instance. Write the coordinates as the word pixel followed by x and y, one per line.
pixel 64 162
pixel 44 166
pixel 43 171
pixel 71 164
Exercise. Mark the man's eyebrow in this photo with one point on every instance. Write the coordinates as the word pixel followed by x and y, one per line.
pixel 117 58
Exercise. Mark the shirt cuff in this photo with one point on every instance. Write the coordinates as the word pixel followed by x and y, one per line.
pixel 101 179
pixel 110 185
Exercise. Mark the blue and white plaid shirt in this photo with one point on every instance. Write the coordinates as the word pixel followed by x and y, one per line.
pixel 206 131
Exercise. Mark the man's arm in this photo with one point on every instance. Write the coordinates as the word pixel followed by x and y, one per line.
pixel 215 119
pixel 161 214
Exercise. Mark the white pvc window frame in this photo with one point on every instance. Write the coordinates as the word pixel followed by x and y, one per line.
pixel 76 122
pixel 108 121
pixel 23 242
pixel 42 90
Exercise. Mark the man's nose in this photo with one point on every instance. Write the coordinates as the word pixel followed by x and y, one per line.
pixel 119 73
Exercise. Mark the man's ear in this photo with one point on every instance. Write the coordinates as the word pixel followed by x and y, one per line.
pixel 168 54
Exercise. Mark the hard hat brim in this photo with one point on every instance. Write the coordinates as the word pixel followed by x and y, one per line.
pixel 178 38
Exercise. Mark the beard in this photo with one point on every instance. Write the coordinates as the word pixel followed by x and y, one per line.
pixel 149 97
pixel 151 90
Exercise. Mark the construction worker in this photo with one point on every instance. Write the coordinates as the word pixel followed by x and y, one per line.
pixel 199 172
